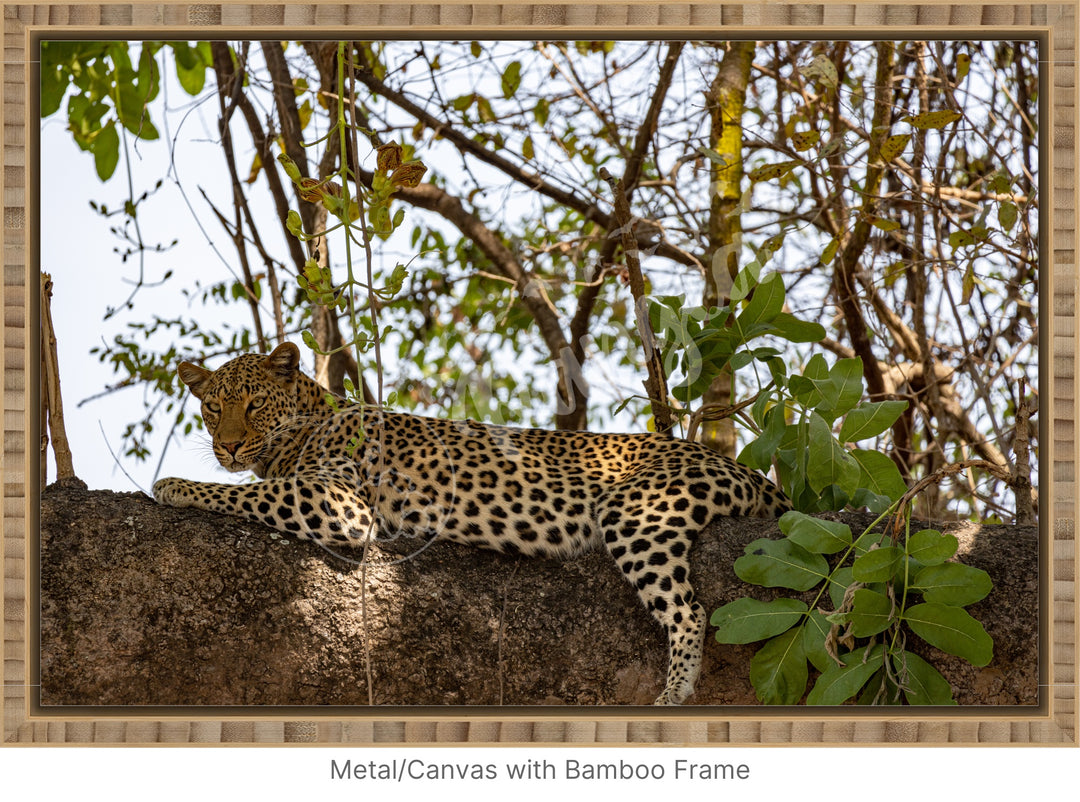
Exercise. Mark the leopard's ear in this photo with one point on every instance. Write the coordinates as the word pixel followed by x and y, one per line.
pixel 194 377
pixel 284 362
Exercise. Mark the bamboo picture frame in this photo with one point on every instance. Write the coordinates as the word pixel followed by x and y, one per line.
pixel 1053 721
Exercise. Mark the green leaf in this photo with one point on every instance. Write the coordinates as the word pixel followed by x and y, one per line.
pixel 869 419
pixel 759 452
pixel 962 239
pixel 721 161
pixel 873 502
pixel 780 563
pixel 761 408
pixel 831 464
pixel 871 540
pixel 527 151
pixel 829 253
pixel 1001 184
pixel 878 474
pixel 815 630
pixel 953 583
pixel 511 79
pixel 53 88
pixel 795 330
pixel 475 49
pixel 778 671
pixel 963 64
pixel 922 683
pixel 190 73
pixel 765 304
pixel 747 620
pixel 106 150
pixel 746 279
pixel 844 388
pixel 952 630
pixel 893 272
pixel 871 613
pixel 815 535
pixel 541 111
pixel 1007 215
pixel 185 55
pixel 740 360
pixel 84 120
pixel 884 224
pixel 968 284
pixel 838 684
pixel 931 547
pixel 304 113
pixel 879 565
pixel 830 499
pixel 487 113
pixel 839 581
pixel 148 78
pixel 808 388
pixel 133 113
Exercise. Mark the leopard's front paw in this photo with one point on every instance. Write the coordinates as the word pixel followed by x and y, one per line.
pixel 172 492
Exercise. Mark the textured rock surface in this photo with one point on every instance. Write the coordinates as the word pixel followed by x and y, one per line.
pixel 145 605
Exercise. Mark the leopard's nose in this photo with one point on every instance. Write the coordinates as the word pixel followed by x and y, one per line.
pixel 232 447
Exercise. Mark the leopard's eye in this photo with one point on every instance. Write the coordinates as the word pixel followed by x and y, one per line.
pixel 256 403
pixel 213 406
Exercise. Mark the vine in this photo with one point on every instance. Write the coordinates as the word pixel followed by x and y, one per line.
pixel 316 280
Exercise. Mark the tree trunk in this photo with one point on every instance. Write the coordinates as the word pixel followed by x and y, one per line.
pixel 726 100
pixel 149 605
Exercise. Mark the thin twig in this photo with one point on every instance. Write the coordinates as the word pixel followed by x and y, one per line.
pixel 934 478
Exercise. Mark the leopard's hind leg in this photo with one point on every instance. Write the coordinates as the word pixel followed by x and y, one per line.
pixel 649 532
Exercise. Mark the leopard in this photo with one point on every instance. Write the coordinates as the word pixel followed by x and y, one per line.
pixel 357 475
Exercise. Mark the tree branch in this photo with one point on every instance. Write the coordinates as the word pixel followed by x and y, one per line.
pixel 572 395
pixel 587 209
pixel 226 76
pixel 844 279
pixel 656 382
pixel 289 117
pixel 579 325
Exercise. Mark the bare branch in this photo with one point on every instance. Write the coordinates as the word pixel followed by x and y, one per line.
pixel 656 382
pixel 579 325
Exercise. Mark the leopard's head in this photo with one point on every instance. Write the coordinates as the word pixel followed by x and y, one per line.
pixel 246 402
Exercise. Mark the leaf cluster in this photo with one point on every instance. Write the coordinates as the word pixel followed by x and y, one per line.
pixel 110 89
pixel 859 647
pixel 699 343
pixel 793 415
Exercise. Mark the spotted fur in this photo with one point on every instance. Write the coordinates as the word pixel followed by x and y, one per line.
pixel 337 477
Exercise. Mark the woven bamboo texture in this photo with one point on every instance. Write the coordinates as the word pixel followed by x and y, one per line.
pixel 1055 721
